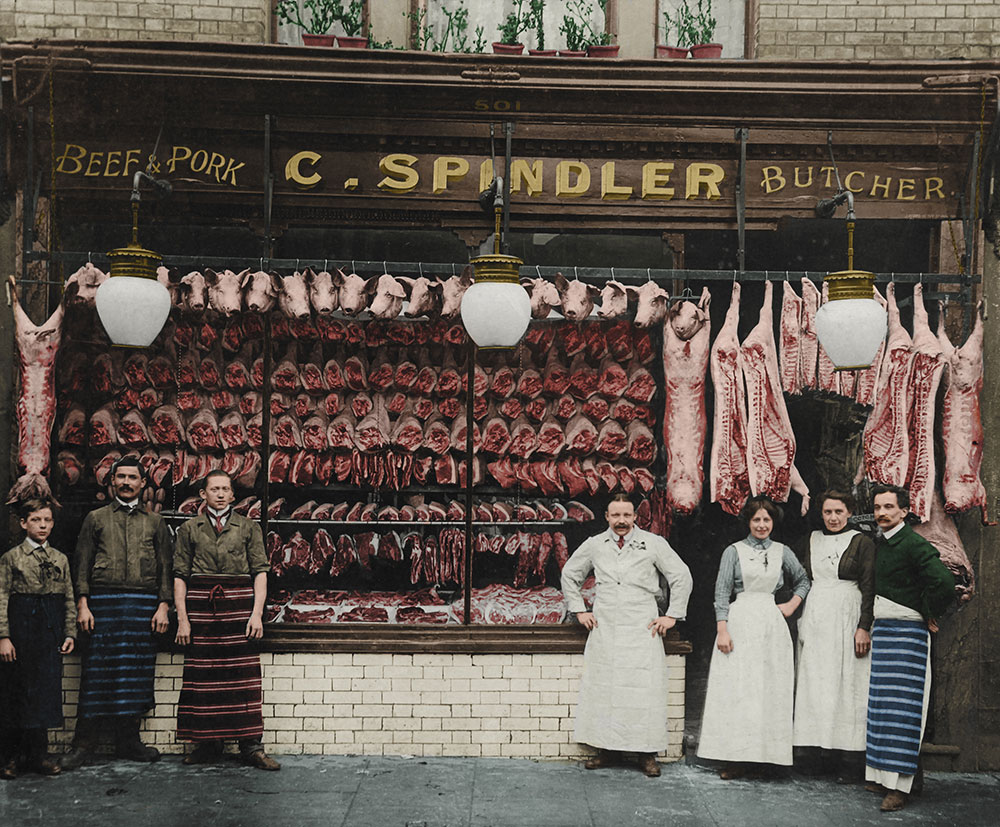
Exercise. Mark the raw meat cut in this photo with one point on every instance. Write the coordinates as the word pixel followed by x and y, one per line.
pixel 502 383
pixel 940 531
pixel 437 436
pixel 583 379
pixel 555 376
pixel 788 348
pixel 551 438
pixel 685 362
pixel 886 434
pixel 132 430
pixel 611 440
pixel 867 380
pixel 524 438
pixel 496 436
pixel 103 428
pixel 573 477
pixel 285 432
pixel 928 365
pixel 641 444
pixel 729 481
pixel 581 436
pixel 612 379
pixel 232 431
pixel 529 385
pixel 536 409
pixel 578 512
pixel 770 439
pixel 37 348
pixel 372 433
pixel 166 427
pixel 961 423
pixel 340 434
pixel 641 385
pixel 314 432
pixel 808 339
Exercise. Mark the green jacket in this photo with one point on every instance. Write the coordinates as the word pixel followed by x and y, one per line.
pixel 909 571
pixel 239 549
pixel 27 569
pixel 118 549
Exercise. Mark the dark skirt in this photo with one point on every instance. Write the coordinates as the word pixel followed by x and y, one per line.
pixel 31 686
pixel 221 693
pixel 119 660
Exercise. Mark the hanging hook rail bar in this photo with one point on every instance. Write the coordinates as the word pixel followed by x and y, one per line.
pixel 626 275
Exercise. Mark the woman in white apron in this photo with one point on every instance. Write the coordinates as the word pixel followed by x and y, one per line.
pixel 831 688
pixel 748 707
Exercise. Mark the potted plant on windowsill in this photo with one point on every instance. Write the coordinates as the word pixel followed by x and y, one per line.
pixel 576 38
pixel 351 21
pixel 510 30
pixel 581 39
pixel 701 30
pixel 322 16
pixel 600 44
pixel 672 52
pixel 537 12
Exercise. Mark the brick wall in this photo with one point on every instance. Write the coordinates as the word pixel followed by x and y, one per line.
pixel 878 29
pixel 367 704
pixel 233 21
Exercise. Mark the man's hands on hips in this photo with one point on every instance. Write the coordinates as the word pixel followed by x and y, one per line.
pixel 662 625
pixel 587 619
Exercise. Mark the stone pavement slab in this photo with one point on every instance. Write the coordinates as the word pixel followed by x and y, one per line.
pixel 345 791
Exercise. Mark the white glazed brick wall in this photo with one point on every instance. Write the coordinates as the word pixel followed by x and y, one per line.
pixel 517 706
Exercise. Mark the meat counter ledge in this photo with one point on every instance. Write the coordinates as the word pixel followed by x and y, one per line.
pixel 379 638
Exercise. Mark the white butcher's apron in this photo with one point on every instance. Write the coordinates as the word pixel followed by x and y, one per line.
pixel 623 691
pixel 831 690
pixel 748 706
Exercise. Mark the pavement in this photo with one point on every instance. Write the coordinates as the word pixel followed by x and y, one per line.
pixel 344 791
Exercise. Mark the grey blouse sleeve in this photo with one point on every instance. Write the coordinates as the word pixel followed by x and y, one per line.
pixel 726 582
pixel 797 577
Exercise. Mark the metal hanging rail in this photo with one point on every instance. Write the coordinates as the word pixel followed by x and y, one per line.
pixel 626 275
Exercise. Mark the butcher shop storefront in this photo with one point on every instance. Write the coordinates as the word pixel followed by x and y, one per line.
pixel 316 213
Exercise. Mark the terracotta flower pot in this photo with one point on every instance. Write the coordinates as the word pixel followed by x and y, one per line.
pixel 603 51
pixel 352 42
pixel 542 52
pixel 572 53
pixel 671 52
pixel 508 48
pixel 318 39
pixel 706 50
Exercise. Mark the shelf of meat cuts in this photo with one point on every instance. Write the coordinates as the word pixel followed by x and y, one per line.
pixel 346 438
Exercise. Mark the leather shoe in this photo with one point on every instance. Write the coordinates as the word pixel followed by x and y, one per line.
pixel 8 772
pixel 732 773
pixel 894 800
pixel 74 759
pixel 137 751
pixel 261 760
pixel 205 753
pixel 872 787
pixel 650 766
pixel 46 766
pixel 604 758
pixel 918 782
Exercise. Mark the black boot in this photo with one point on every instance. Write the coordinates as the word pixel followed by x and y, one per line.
pixel 84 740
pixel 129 745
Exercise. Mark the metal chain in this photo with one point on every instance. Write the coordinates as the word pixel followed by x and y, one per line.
pixel 959 259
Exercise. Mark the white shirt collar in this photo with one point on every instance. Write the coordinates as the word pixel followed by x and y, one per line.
pixel 894 530
pixel 131 505
pixel 34 544
pixel 614 537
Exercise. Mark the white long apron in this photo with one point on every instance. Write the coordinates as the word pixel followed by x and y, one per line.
pixel 748 706
pixel 831 689
pixel 623 691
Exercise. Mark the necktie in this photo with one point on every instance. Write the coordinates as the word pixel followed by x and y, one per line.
pixel 219 520
pixel 621 542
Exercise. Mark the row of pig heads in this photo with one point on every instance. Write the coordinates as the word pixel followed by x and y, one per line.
pixel 575 299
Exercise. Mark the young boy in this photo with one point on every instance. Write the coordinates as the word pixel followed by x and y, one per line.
pixel 37 623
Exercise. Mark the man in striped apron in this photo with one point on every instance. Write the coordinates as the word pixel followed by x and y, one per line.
pixel 123 590
pixel 912 589
pixel 220 587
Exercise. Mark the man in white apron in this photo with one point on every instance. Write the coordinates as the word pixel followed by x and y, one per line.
pixel 623 691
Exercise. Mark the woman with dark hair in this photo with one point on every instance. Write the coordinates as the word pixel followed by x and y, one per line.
pixel 748 707
pixel 831 688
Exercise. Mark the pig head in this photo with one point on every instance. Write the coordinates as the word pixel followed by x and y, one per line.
pixel 452 290
pixel 385 296
pixel 614 300
pixel 193 292
pixel 224 291
pixel 653 302
pixel 425 296
pixel 81 287
pixel 258 291
pixel 543 296
pixel 322 292
pixel 686 318
pixel 293 296
pixel 163 277
pixel 352 292
pixel 576 298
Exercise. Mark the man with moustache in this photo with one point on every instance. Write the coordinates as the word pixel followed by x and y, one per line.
pixel 912 589
pixel 123 590
pixel 623 691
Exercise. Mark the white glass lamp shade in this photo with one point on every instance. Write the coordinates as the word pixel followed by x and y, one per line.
pixel 133 310
pixel 850 331
pixel 496 314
